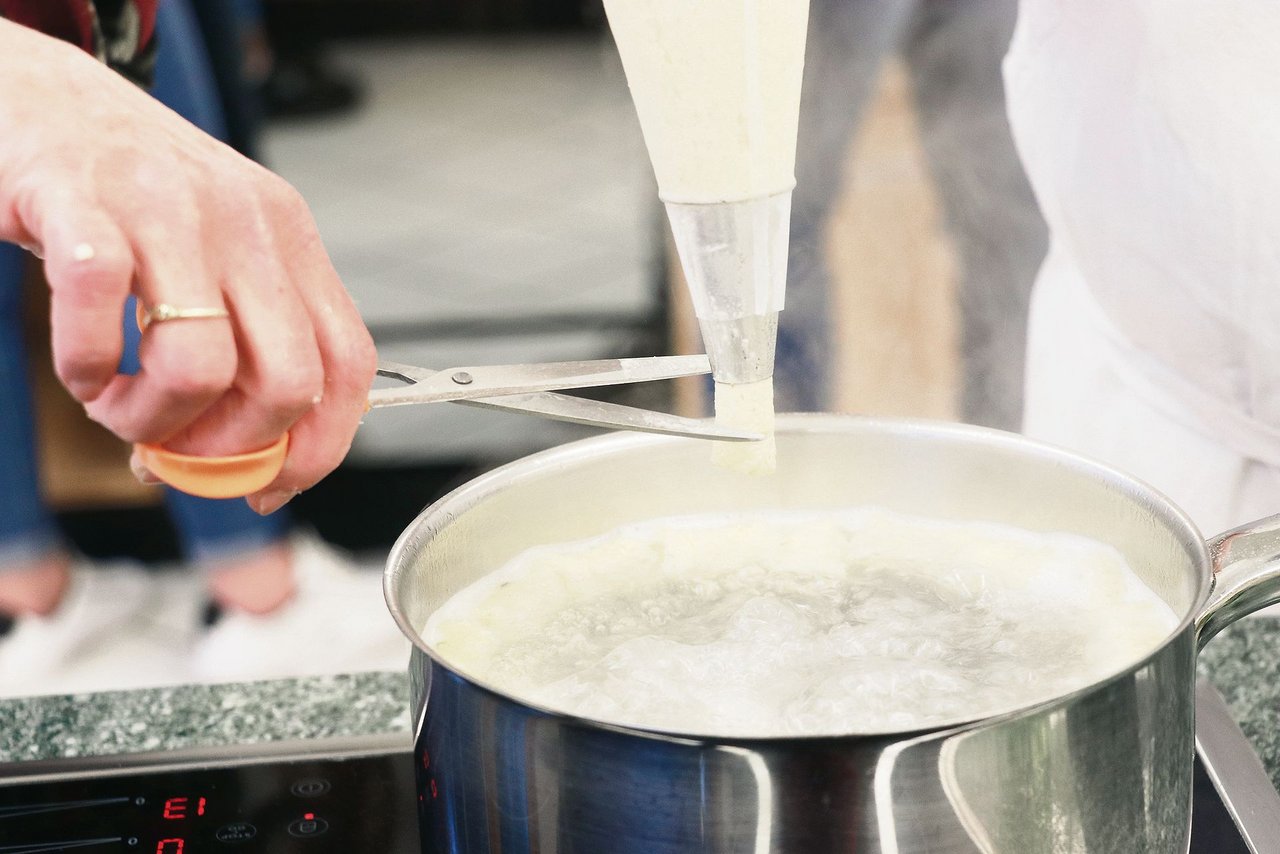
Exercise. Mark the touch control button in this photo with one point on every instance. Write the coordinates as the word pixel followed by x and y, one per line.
pixel 308 825
pixel 241 831
pixel 310 788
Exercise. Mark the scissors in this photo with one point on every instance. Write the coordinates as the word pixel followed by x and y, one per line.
pixel 527 388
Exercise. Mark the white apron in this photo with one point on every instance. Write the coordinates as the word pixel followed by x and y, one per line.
pixel 1150 130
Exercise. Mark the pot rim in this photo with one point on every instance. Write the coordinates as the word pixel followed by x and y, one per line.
pixel 459 500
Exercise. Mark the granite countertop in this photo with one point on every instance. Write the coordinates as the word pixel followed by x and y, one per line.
pixel 1244 662
pixel 190 716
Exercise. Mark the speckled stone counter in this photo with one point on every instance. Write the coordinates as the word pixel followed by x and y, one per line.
pixel 203 716
pixel 1244 662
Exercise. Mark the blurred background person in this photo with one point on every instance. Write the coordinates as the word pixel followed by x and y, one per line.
pixel 1149 131
pixel 292 68
pixel 952 50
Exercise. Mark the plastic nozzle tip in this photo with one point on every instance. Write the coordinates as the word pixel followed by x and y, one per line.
pixel 734 256
pixel 741 349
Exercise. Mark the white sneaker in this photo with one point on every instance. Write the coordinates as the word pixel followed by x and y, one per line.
pixel 336 622
pixel 116 628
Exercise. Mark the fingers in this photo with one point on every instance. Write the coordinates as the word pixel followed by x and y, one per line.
pixel 321 439
pixel 90 268
pixel 187 365
pixel 280 376
pixel 294 355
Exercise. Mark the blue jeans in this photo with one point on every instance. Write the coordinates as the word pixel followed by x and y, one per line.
pixel 210 531
pixel 952 50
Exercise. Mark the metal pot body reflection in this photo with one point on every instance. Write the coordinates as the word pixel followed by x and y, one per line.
pixel 1104 770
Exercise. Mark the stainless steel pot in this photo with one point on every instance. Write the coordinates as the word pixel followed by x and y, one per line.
pixel 1105 770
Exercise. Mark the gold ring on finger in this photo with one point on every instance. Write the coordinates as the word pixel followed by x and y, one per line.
pixel 162 311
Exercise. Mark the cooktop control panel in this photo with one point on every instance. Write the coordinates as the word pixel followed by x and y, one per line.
pixel 361 797
pixel 363 803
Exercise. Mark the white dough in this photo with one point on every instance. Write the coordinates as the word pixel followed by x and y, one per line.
pixel 782 624
pixel 746 406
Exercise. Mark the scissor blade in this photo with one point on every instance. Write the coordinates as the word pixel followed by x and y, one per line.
pixel 494 380
pixel 595 413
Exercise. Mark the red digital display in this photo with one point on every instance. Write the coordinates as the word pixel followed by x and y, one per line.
pixel 176 808
pixel 171 846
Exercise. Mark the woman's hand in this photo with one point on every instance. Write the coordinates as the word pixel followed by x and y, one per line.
pixel 119 195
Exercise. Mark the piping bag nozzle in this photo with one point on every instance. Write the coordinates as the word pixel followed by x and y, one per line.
pixel 734 256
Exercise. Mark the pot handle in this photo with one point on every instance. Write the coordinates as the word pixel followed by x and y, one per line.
pixel 1246 575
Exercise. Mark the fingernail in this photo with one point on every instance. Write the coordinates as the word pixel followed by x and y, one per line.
pixel 141 472
pixel 272 501
pixel 85 391
pixel 83 252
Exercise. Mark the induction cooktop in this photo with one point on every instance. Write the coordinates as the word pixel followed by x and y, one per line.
pixel 358 795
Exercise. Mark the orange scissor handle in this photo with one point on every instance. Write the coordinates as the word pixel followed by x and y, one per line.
pixel 216 477
pixel 213 477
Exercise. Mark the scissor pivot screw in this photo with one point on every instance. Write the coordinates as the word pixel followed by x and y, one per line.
pixel 463 378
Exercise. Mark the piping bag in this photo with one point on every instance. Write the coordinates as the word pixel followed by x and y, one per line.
pixel 716 84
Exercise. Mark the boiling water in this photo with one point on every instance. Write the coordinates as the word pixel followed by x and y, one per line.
pixel 803 624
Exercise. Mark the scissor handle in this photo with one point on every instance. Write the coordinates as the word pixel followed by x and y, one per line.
pixel 233 476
